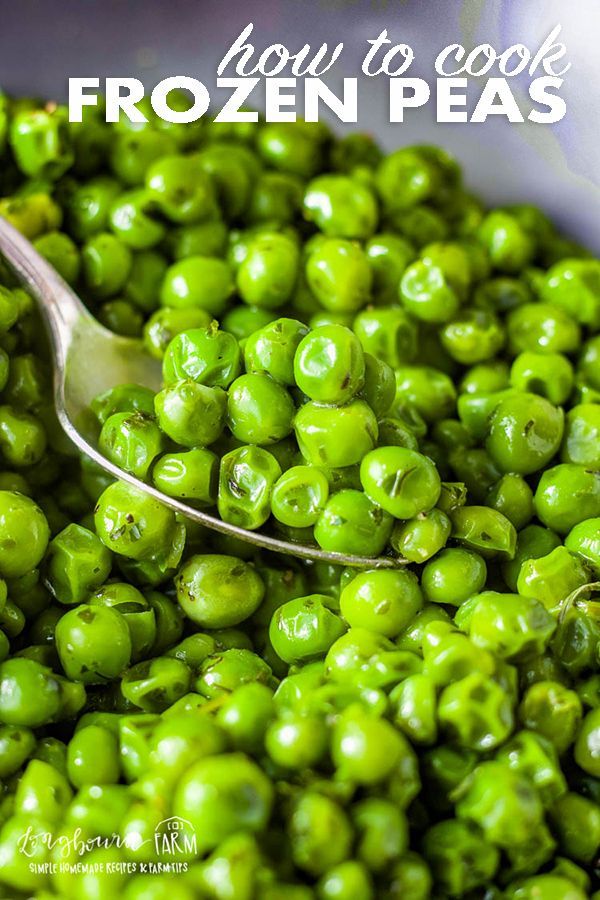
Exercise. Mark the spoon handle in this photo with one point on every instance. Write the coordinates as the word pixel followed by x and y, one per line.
pixel 59 305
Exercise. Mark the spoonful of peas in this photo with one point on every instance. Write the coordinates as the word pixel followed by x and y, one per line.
pixel 90 360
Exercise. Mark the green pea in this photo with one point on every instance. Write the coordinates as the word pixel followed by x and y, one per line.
pixel 191 413
pixel 245 716
pixel 525 432
pixel 553 711
pixel 484 530
pixel 164 324
pixel 276 198
pixel 573 285
pixel 426 293
pixel 136 526
pixel 304 628
pixel 180 188
pixel 476 712
pixel 512 496
pixel 388 333
pixel 93 643
pixel 577 822
pixel 548 374
pixel 218 591
pixel 206 355
pixel 453 576
pixel 411 878
pixel 401 481
pixel 93 757
pixel 587 753
pixel 268 274
pixel 22 437
pixel 406 178
pixel 132 441
pixel 30 695
pixel 329 364
pixel 16 746
pixel 461 859
pixel 582 435
pixel 566 495
pixel 533 756
pixel 383 601
pixel 243 321
pixel 246 481
pixel 192 476
pixel 509 625
pixel 414 708
pixel 551 578
pixel 389 255
pixel 259 410
pixel 155 684
pixel 197 282
pixel 287 148
pixel 99 809
pixel 297 741
pixel 299 496
pixel 335 436
pixel 25 534
pixel 270 349
pixel 509 245
pixel 430 392
pixel 87 206
pixel 584 540
pixel 339 275
pixel 131 153
pixel 221 795
pixel 105 264
pixel 320 832
pixel 77 563
pixel 41 143
pixel 542 328
pixel 352 523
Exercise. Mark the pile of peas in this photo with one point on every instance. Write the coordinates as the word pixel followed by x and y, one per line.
pixel 355 352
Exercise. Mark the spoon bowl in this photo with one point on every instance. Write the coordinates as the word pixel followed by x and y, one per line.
pixel 89 359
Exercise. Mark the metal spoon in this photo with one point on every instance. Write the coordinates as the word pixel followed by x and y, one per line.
pixel 89 359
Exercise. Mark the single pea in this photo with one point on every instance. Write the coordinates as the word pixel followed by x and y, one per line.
pixel 268 274
pixel 389 255
pixel 23 439
pixel 299 496
pixel 421 537
pixel 276 198
pixel 401 481
pixel 350 879
pixel 192 476
pixel 427 390
pixel 509 245
pixel 473 336
pixel 339 275
pixel 246 481
pixel 132 441
pixel 259 410
pixel 335 436
pixel 525 432
pixel 224 672
pixel 25 534
pixel 41 142
pixel 548 374
pixel 61 252
pixel 164 324
pixel 243 321
pixel 453 576
pixel 460 858
pixel 87 206
pixel 181 740
pixel 388 333
pixel 297 741
pixel 411 878
pixel 76 564
pixel 197 282
pixel 352 523
pixel 573 285
pixel 136 612
pixel 533 756
pixel 582 436
pixel 245 716
pixel 329 364
pixel 427 294
pixel 414 708
pixel 512 496
pixel 221 795
pixel 484 530
pixel 566 495
pixel 395 432
pixel 191 413
pixel 218 591
pixel 136 526
pixel 405 179
pixel 584 540
pixel 105 265
pixel 155 684
pixel 379 388
pixel 271 349
pixel 287 148
pixel 552 710
pixel 93 757
pixel 383 601
pixel 476 712
pixel 126 398
pixel 206 355
pixel 16 746
pixel 131 220
pixel 341 207
pixel 30 694
pixel 542 328
pixel 180 188
pixel 207 238
pixel 93 643
pixel 304 628
pixel 321 835
pixel 587 745
pixel 551 578
pixel 132 152
pixel 577 822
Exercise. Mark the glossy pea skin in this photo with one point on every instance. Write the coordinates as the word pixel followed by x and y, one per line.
pixel 509 625
pixel 587 745
pixel 453 576
pixel 336 437
pixel 552 710
pixel 197 282
pixel 475 712
pixel 132 441
pixel 414 708
pixel 582 436
pixel 105 265
pixel 352 523
pixel 461 860
pixel 93 643
pixel 192 475
pixel 525 433
pixel 401 481
pixel 573 285
pixel 25 534
pixel 484 531
pixel 329 364
pixel 321 833
pixel 180 189
pixel 206 355
pixel 427 390
pixel 246 480
pixel 383 601
pixel 512 496
pixel 584 540
pixel 304 628
pixel 299 496
pixel 218 591
pixel 23 439
pixel 297 741
pixel 339 275
pixel 388 333
pixel 93 757
pixel 548 374
pixel 191 414
pixel 389 255
pixel 551 578
pixel 566 495
pixel 30 694
pixel 420 538
pixel 259 410
pixel 542 328
pixel 268 274
pixel 246 714
pixel 271 349
pixel 223 794
pixel 577 821
pixel 76 564
pixel 341 207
